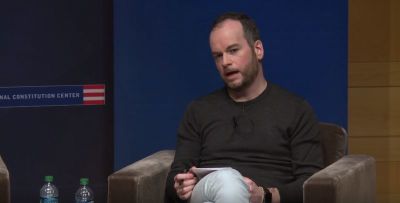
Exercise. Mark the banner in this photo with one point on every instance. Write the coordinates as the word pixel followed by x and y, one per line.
pixel 63 95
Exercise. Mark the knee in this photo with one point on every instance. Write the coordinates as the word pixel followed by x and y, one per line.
pixel 229 184
pixel 226 185
pixel 227 174
pixel 228 178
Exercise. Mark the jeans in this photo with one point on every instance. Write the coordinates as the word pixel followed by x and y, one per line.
pixel 223 186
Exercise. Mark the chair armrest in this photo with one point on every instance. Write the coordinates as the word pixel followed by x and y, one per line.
pixel 142 181
pixel 4 183
pixel 350 179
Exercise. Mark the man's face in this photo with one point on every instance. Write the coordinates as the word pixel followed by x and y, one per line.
pixel 236 61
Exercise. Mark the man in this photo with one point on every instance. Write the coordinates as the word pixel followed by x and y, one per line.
pixel 267 136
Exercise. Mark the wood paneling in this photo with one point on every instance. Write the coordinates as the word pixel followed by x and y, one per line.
pixel 381 148
pixel 374 74
pixel 395 31
pixel 389 177
pixel 388 198
pixel 369 30
pixel 374 89
pixel 374 111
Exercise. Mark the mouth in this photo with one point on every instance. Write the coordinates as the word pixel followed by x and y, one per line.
pixel 231 73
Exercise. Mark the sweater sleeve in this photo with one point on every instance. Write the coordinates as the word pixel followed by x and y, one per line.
pixel 306 153
pixel 187 152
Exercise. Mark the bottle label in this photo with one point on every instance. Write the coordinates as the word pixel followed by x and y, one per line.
pixel 49 200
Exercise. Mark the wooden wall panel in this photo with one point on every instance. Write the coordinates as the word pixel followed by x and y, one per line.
pixel 369 30
pixel 395 31
pixel 374 111
pixel 388 198
pixel 379 74
pixel 374 89
pixel 381 148
pixel 389 179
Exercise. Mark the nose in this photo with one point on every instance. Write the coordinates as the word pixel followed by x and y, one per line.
pixel 226 60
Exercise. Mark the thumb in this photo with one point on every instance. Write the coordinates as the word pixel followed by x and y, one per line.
pixel 249 183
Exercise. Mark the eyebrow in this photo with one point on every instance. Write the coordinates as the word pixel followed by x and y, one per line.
pixel 232 46
pixel 227 48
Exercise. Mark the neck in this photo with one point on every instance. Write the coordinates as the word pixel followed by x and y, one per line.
pixel 252 91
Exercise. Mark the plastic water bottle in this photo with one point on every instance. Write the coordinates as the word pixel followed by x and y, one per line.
pixel 84 193
pixel 49 192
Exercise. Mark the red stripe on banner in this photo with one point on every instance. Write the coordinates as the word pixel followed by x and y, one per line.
pixel 96 102
pixel 100 94
pixel 91 95
pixel 94 86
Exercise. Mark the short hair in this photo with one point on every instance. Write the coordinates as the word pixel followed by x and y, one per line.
pixel 250 29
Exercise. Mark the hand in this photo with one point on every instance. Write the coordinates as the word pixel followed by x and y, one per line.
pixel 276 197
pixel 184 184
pixel 256 193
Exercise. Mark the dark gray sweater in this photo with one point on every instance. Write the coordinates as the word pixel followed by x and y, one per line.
pixel 272 139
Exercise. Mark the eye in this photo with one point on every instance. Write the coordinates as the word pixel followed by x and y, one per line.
pixel 217 56
pixel 233 50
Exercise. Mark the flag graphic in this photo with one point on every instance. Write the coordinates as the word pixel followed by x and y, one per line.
pixel 56 95
pixel 94 94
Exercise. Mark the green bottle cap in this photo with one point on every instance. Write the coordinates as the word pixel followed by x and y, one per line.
pixel 84 181
pixel 48 178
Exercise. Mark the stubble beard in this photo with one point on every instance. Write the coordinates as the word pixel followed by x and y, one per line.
pixel 248 77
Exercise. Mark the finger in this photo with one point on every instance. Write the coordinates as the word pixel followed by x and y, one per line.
pixel 187 189
pixel 184 188
pixel 247 181
pixel 180 178
pixel 183 176
pixel 187 196
pixel 179 191
pixel 186 192
pixel 191 169
pixel 178 187
pixel 189 182
pixel 249 184
pixel 185 183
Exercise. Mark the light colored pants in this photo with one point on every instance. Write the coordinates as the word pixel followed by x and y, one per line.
pixel 223 186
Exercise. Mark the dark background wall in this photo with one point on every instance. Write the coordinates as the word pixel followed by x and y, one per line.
pixel 162 62
pixel 63 42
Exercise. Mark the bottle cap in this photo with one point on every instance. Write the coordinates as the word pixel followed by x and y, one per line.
pixel 84 181
pixel 48 178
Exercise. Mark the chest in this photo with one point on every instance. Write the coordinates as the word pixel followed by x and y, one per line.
pixel 235 130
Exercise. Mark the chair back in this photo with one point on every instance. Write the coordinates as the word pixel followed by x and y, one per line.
pixel 4 183
pixel 333 141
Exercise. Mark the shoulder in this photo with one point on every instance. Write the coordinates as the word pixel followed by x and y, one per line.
pixel 283 95
pixel 202 107
pixel 291 109
pixel 283 92
pixel 287 101
pixel 213 98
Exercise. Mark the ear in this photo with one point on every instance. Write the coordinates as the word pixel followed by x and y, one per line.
pixel 259 49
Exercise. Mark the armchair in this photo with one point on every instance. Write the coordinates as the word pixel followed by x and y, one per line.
pixel 4 183
pixel 345 178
